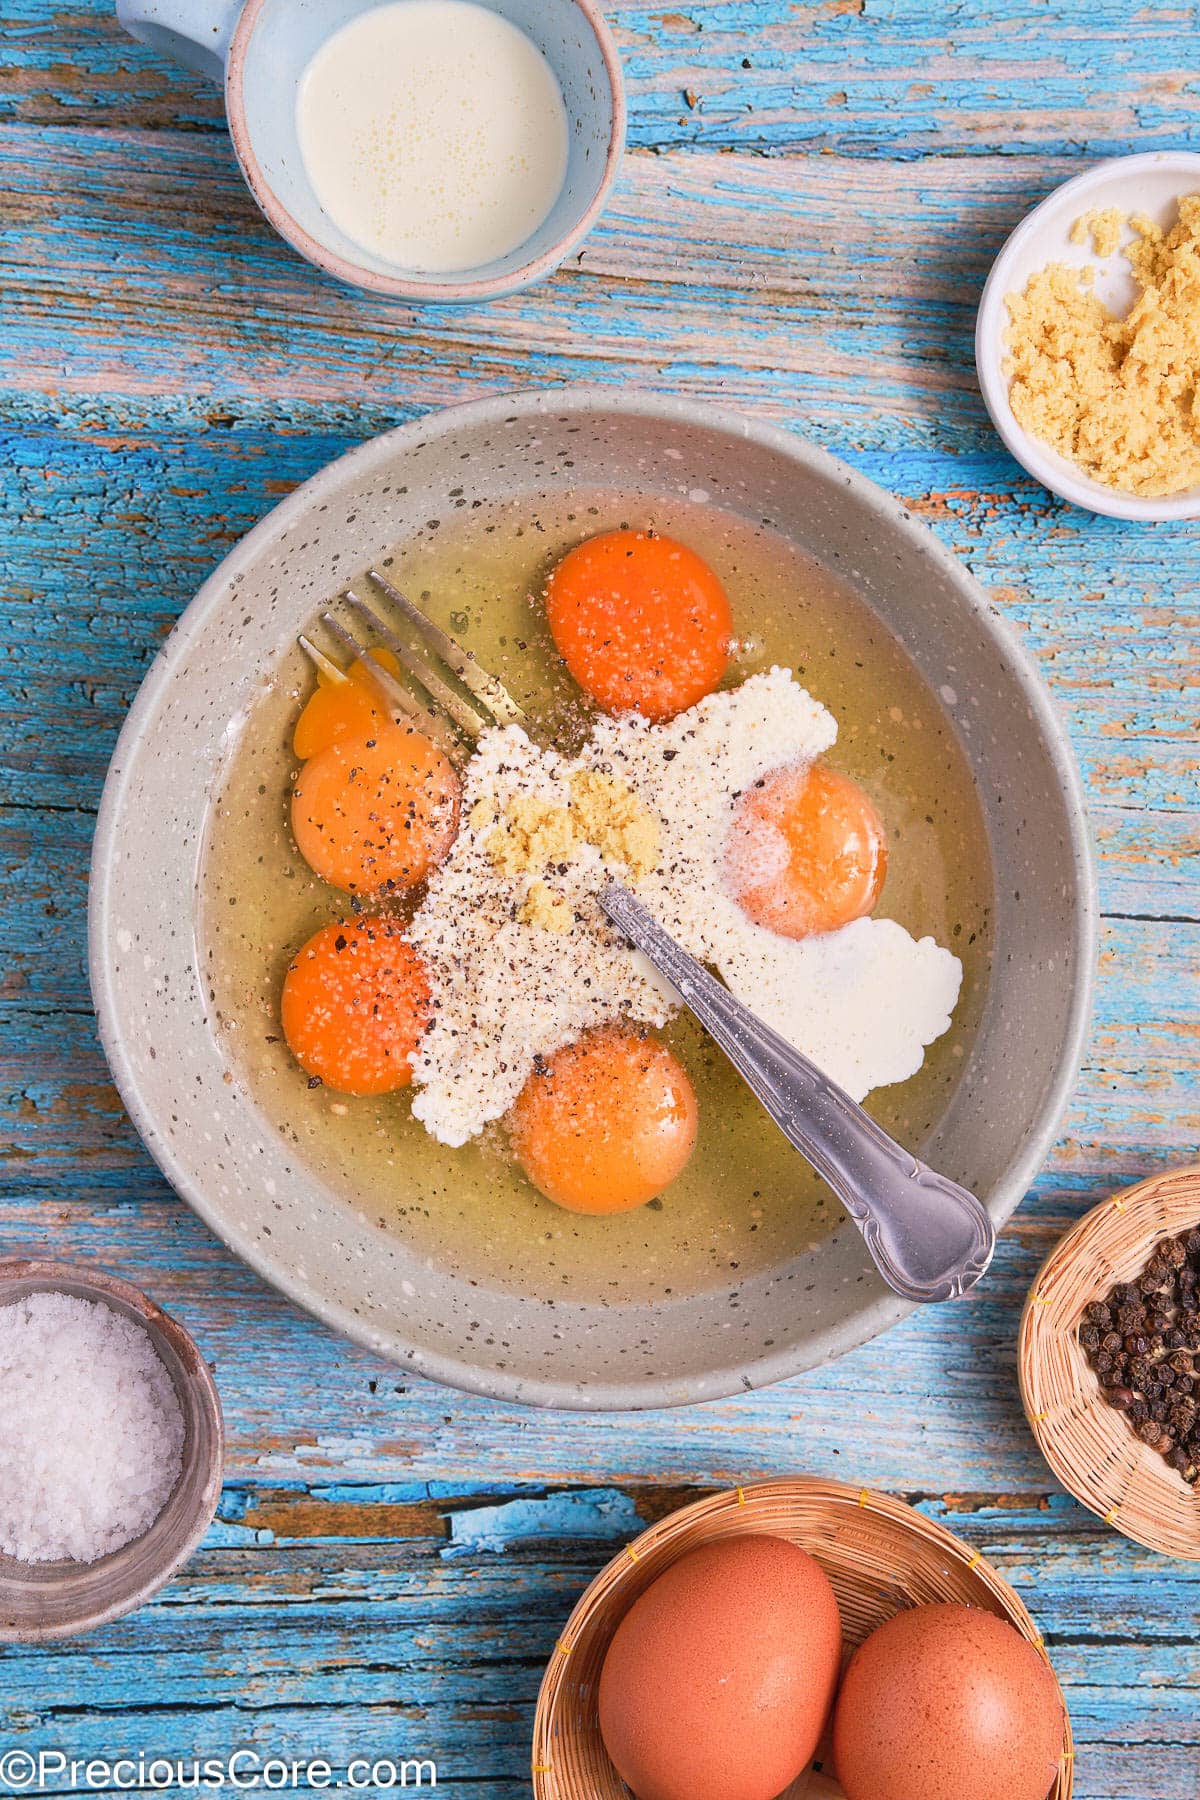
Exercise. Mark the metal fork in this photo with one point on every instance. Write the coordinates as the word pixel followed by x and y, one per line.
pixel 930 1239
pixel 453 718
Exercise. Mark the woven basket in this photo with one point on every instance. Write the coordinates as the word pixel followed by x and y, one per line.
pixel 880 1555
pixel 1089 1446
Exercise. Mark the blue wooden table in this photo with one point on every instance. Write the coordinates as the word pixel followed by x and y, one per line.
pixel 806 215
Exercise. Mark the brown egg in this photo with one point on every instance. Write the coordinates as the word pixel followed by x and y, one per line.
pixel 719 1679
pixel 947 1703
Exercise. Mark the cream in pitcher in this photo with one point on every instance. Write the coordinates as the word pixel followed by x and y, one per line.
pixel 433 132
pixel 433 151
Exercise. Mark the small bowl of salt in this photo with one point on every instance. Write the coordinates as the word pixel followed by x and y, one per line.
pixel 111 1449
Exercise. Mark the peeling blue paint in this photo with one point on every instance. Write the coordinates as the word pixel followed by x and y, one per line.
pixel 604 1514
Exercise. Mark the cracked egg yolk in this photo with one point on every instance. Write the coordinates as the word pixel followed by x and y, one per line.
pixel 377 813
pixel 641 622
pixel 806 851
pixel 355 1005
pixel 607 1124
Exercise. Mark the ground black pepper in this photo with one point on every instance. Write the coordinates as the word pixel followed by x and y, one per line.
pixel 1142 1341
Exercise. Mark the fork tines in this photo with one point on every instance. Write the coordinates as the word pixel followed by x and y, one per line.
pixel 491 693
pixel 442 668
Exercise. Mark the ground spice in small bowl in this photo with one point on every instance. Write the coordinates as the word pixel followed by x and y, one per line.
pixel 1143 1342
pixel 91 1429
pixel 1115 395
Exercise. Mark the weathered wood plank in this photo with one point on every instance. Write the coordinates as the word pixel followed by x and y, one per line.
pixel 933 1405
pixel 298 1643
pixel 901 78
pixel 799 257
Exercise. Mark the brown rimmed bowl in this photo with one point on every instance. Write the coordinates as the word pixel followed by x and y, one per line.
pixel 1089 1445
pixel 880 1555
pixel 45 1600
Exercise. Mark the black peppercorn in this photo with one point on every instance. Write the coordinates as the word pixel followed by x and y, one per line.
pixel 1140 1339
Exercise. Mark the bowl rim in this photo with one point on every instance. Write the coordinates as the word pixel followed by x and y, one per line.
pixel 53 1275
pixel 1045 465
pixel 465 290
pixel 456 1371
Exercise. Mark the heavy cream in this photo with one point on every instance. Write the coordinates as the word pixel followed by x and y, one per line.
pixel 434 133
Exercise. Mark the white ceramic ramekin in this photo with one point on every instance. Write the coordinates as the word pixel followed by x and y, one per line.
pixel 1152 185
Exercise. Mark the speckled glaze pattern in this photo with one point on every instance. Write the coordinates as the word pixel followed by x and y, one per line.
pixel 42 1601
pixel 223 1156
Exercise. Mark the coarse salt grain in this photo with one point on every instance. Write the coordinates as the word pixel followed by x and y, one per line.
pixel 91 1430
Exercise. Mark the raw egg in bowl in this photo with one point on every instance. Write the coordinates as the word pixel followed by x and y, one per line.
pixel 737 662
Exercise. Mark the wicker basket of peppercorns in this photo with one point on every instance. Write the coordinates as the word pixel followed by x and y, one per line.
pixel 1110 1362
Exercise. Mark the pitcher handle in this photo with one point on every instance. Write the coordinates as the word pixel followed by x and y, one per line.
pixel 195 33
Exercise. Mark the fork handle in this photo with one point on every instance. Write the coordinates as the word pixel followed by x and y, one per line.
pixel 930 1239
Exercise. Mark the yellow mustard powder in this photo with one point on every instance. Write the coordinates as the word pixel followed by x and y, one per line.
pixel 535 834
pixel 531 834
pixel 1104 226
pixel 1117 396
pixel 546 909
pixel 609 815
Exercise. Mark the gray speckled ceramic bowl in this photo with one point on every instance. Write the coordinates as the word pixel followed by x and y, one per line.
pixel 43 1601
pixel 248 1183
